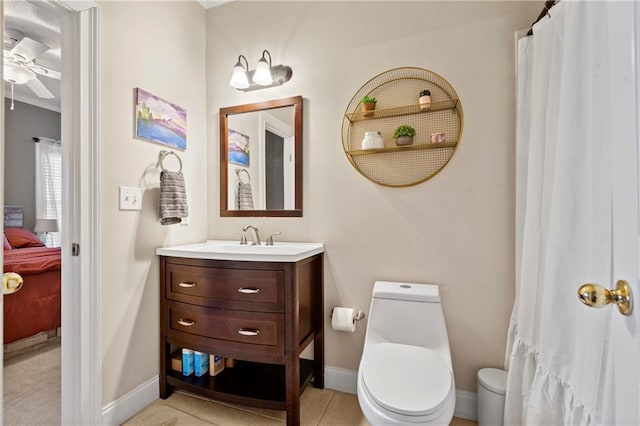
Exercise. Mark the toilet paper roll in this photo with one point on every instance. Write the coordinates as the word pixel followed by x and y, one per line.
pixel 342 319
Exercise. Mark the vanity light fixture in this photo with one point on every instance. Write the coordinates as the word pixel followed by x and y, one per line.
pixel 265 75
pixel 262 76
pixel 239 78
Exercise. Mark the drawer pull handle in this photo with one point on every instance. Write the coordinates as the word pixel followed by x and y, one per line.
pixel 186 323
pixel 247 290
pixel 186 285
pixel 249 331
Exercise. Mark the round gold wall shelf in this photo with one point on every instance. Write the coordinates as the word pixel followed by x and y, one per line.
pixel 397 92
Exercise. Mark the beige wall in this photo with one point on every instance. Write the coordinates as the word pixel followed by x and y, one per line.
pixel 457 229
pixel 160 47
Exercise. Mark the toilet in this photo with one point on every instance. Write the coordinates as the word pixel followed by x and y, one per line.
pixel 405 374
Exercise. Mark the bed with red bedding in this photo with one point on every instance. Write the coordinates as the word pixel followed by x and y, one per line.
pixel 36 306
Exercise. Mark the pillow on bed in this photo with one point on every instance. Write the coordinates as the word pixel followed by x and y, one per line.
pixel 6 244
pixel 20 238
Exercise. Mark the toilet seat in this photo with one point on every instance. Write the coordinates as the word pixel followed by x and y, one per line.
pixel 404 379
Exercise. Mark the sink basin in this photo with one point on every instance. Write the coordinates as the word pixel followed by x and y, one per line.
pixel 233 250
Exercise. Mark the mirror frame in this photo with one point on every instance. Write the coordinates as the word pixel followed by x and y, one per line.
pixel 296 103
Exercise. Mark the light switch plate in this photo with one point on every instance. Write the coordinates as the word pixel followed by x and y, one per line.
pixel 130 198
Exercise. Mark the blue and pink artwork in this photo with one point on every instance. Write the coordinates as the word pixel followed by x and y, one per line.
pixel 238 148
pixel 160 121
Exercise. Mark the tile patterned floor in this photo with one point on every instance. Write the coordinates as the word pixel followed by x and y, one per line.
pixel 318 407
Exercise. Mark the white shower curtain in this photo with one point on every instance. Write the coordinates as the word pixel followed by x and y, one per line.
pixel 557 348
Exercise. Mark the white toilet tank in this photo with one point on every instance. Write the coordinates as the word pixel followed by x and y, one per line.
pixel 407 313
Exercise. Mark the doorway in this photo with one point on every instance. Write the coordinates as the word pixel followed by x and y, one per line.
pixel 274 173
pixel 33 206
pixel 277 180
pixel 80 349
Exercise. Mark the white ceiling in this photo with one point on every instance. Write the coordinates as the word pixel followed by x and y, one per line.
pixel 39 22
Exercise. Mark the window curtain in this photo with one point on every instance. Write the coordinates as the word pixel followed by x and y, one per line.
pixel 49 186
pixel 557 348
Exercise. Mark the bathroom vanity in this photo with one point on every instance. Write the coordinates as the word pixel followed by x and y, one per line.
pixel 260 305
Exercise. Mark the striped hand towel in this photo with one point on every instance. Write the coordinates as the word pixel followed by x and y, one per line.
pixel 173 198
pixel 244 196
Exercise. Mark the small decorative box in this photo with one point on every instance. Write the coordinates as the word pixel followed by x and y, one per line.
pixel 216 364
pixel 438 138
pixel 188 361
pixel 201 363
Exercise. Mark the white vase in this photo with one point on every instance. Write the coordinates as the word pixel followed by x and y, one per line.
pixel 372 140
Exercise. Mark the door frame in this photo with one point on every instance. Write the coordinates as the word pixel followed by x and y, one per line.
pixel 81 367
pixel 2 222
pixel 278 127
pixel 81 391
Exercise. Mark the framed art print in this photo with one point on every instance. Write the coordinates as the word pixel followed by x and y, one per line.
pixel 160 121
pixel 238 148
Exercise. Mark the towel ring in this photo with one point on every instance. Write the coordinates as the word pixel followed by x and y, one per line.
pixel 240 170
pixel 163 154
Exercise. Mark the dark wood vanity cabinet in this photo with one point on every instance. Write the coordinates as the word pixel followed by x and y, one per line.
pixel 262 314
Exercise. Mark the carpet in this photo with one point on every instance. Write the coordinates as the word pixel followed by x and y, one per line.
pixel 32 387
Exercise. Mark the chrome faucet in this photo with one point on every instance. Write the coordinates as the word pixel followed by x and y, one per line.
pixel 255 237
pixel 270 238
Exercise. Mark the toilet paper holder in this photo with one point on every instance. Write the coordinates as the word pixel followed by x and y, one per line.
pixel 358 315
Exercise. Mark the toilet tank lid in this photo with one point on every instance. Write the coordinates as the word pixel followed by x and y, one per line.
pixel 406 291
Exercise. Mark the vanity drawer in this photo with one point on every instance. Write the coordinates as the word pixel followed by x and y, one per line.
pixel 252 289
pixel 264 330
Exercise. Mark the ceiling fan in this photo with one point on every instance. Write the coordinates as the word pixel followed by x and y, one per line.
pixel 19 54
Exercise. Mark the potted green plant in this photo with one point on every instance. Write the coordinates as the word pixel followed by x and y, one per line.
pixel 404 135
pixel 425 100
pixel 368 104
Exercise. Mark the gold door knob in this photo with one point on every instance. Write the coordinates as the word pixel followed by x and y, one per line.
pixel 11 282
pixel 596 296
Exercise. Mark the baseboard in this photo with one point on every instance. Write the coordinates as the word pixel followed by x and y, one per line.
pixel 30 343
pixel 466 405
pixel 123 408
pixel 341 379
pixel 345 380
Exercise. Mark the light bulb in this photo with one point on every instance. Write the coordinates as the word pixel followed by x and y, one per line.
pixel 17 74
pixel 239 79
pixel 262 76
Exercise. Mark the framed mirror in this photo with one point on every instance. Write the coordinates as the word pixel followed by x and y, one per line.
pixel 261 159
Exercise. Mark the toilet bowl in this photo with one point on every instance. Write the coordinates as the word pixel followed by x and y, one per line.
pixel 405 374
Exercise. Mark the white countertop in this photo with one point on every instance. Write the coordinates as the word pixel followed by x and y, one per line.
pixel 233 250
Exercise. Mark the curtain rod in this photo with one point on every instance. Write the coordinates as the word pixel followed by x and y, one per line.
pixel 545 12
pixel 37 140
